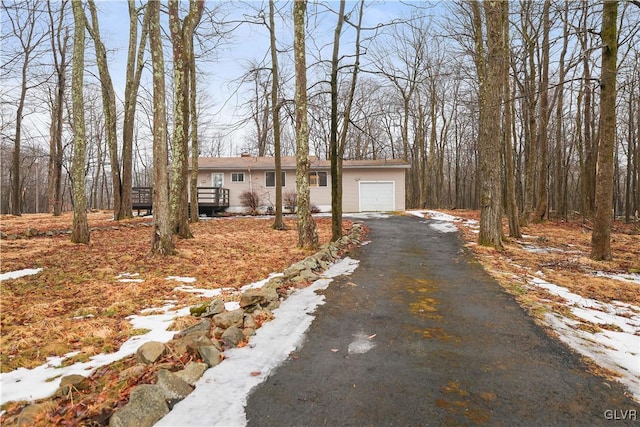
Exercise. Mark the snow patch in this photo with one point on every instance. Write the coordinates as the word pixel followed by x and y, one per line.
pixel 44 380
pixel 361 344
pixel 618 351
pixel 19 273
pixel 631 277
pixel 229 383
pixel 182 279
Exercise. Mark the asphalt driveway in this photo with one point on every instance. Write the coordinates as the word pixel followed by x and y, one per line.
pixel 421 335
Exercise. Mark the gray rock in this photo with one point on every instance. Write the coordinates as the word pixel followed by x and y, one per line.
pixel 210 354
pixel 248 332
pixel 181 344
pixel 262 296
pixel 192 347
pixel 249 321
pixel 192 372
pixel 228 318
pixel 202 326
pixel 150 352
pixel 145 408
pixel 208 309
pixel 232 336
pixel 175 388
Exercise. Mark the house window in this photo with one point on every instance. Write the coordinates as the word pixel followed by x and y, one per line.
pixel 270 178
pixel 237 177
pixel 317 179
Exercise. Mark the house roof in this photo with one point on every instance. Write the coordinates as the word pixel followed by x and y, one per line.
pixel 289 162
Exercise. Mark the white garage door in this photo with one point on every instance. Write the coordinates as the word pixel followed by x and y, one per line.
pixel 377 196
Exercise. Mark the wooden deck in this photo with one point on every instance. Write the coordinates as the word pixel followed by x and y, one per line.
pixel 211 200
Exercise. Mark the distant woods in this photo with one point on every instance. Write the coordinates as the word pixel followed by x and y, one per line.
pixel 535 118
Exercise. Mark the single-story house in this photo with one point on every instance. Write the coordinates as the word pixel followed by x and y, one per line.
pixel 367 185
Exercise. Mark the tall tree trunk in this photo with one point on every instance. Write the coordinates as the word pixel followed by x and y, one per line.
pixel 162 236
pixel 490 93
pixel 181 37
pixel 560 182
pixel 80 230
pixel 542 134
pixel 589 146
pixel 59 44
pixel 307 232
pixel 278 223
pixel 346 119
pixel 510 178
pixel 601 237
pixel 16 182
pixel 135 66
pixel 109 107
pixel 195 146
pixel 336 204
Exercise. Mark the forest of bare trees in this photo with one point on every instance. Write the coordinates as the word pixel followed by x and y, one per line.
pixel 544 104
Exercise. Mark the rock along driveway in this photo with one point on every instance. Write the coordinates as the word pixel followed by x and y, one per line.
pixel 421 335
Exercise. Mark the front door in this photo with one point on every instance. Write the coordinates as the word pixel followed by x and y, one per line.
pixel 217 179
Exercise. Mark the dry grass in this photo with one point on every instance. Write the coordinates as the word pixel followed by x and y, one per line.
pixel 77 302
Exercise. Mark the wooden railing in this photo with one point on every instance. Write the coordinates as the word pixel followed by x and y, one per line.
pixel 210 199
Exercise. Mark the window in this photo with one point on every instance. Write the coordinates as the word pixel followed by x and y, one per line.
pixel 270 178
pixel 237 177
pixel 317 179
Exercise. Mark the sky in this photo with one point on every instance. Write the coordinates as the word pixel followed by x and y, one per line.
pixel 230 382
pixel 248 44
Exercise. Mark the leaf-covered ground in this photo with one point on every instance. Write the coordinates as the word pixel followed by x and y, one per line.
pixel 79 301
pixel 561 250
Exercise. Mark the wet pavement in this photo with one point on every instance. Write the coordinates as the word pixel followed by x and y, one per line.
pixel 420 335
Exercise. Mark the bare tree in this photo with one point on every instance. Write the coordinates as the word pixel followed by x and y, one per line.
pixel 601 237
pixel 162 235
pixel 307 232
pixel 24 19
pixel 80 230
pixel 135 65
pixel 542 133
pixel 278 222
pixel 489 64
pixel 59 45
pixel 182 39
pixel 109 107
pixel 336 187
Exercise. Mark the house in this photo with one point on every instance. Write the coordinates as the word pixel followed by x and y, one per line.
pixel 368 185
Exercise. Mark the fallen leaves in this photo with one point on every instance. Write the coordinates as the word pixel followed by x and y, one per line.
pixel 86 291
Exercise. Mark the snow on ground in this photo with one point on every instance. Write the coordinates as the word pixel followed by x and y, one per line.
pixel 44 380
pixel 221 394
pixel 617 350
pixel 20 273
pixel 633 277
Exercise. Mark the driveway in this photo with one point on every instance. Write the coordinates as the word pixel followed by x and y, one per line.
pixel 421 335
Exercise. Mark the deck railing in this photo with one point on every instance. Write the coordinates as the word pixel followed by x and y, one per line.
pixel 210 199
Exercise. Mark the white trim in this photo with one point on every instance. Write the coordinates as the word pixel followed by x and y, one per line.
pixel 237 173
pixel 393 186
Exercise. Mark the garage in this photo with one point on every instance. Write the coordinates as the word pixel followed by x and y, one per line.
pixel 377 196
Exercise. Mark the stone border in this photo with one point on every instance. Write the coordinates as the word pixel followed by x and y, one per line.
pixel 217 330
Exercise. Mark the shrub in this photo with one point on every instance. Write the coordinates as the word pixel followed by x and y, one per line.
pixel 251 201
pixel 314 209
pixel 290 200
